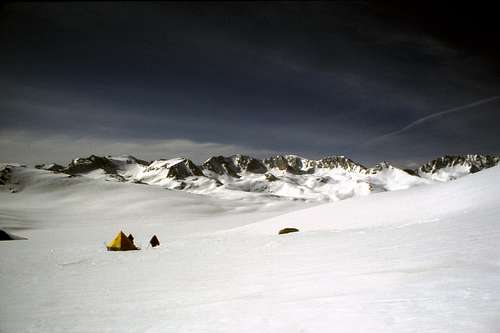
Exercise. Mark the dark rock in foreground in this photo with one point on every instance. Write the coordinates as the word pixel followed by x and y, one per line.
pixel 5 236
pixel 288 230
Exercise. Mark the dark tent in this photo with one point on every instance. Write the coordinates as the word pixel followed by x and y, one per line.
pixel 130 237
pixel 154 241
pixel 121 243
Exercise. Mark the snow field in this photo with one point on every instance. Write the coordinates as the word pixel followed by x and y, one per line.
pixel 424 259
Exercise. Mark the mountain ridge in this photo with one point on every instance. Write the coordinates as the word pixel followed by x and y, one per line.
pixel 237 163
pixel 334 177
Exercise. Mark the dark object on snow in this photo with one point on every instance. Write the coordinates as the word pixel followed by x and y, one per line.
pixel 411 172
pixel 121 243
pixel 154 241
pixel 5 236
pixel 288 230
pixel 130 237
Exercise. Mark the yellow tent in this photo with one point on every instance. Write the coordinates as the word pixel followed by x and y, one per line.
pixel 121 243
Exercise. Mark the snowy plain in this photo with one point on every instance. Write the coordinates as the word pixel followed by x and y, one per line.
pixel 424 259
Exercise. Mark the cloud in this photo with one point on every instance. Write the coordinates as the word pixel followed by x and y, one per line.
pixel 31 148
pixel 431 117
pixel 263 81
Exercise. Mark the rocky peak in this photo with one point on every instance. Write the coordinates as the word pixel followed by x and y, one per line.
pixel 474 162
pixel 177 168
pixel 50 167
pixel 379 167
pixel 299 165
pixel 342 162
pixel 91 163
pixel 222 166
pixel 248 163
pixel 291 163
pixel 5 172
pixel 128 159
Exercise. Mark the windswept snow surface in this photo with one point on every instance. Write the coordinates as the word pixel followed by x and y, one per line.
pixel 425 259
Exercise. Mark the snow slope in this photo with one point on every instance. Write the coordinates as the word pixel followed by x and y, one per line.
pixel 425 259
pixel 425 204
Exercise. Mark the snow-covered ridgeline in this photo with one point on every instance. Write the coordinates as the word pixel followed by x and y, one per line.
pixel 424 259
pixel 330 178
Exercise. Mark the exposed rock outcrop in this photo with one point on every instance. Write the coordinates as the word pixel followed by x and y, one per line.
pixel 475 163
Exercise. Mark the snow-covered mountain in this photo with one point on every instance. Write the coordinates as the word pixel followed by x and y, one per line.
pixel 451 167
pixel 289 176
pixel 425 259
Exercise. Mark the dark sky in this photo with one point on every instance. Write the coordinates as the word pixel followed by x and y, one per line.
pixel 361 79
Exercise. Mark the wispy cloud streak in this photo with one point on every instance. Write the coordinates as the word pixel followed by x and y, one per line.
pixel 431 117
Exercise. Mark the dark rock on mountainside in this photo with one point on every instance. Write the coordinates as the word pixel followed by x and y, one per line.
pixel 177 169
pixel 342 162
pixel 91 163
pixel 378 168
pixel 298 165
pixel 185 168
pixel 54 167
pixel 108 165
pixel 411 172
pixel 5 173
pixel 222 166
pixel 256 166
pixel 291 163
pixel 248 163
pixel 475 162
pixel 132 160
pixel 279 162
pixel 270 177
